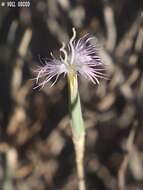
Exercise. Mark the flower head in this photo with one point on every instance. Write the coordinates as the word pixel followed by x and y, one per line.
pixel 79 57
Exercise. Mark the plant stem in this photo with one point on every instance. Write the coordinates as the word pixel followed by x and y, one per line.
pixel 79 151
pixel 78 128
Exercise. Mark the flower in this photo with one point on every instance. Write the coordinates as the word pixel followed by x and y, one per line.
pixel 78 56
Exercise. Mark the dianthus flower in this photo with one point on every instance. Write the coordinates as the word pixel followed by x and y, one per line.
pixel 78 56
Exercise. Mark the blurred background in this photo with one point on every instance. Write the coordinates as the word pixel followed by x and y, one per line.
pixel 36 150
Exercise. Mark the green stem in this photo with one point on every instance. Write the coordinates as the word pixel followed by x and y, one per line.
pixel 77 123
pixel 78 128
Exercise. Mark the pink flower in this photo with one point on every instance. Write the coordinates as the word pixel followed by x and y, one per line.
pixel 78 56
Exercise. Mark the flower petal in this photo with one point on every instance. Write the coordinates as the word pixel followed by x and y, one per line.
pixel 53 68
pixel 86 60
